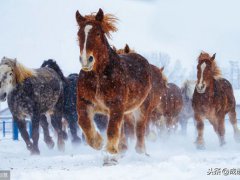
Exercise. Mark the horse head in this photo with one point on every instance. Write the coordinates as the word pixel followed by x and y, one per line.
pixel 207 71
pixel 6 77
pixel 94 47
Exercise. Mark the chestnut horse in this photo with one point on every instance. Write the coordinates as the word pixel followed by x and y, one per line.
pixel 111 84
pixel 212 99
pixel 170 103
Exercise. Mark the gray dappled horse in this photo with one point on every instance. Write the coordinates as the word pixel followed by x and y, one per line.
pixel 32 93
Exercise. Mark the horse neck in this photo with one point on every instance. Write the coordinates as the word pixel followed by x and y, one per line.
pixel 209 92
pixel 105 59
pixel 163 86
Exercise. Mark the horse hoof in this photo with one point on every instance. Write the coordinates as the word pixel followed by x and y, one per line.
pixel 61 146
pixel 222 143
pixel 35 151
pixel 140 150
pixel 96 142
pixel 30 146
pixel 110 160
pixel 50 143
pixel 76 140
pixel 200 147
pixel 148 155
pixel 64 135
pixel 122 148
pixel 152 136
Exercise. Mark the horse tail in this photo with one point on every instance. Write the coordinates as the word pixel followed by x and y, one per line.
pixel 53 65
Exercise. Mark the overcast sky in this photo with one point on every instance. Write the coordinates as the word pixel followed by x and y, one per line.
pixel 36 30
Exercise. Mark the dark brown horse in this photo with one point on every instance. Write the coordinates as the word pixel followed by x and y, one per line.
pixel 212 99
pixel 171 103
pixel 111 84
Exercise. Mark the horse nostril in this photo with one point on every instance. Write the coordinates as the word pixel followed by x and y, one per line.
pixel 80 58
pixel 4 95
pixel 90 59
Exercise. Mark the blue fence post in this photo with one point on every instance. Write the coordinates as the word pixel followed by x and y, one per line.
pixel 4 128
pixel 15 131
pixel 30 129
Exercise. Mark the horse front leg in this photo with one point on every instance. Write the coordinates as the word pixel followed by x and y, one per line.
pixel 23 130
pixel 47 138
pixel 35 133
pixel 85 120
pixel 114 131
pixel 200 128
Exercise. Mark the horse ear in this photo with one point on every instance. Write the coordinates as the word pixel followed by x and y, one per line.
pixel 126 49
pixel 79 17
pixel 161 69
pixel 100 15
pixel 114 48
pixel 213 57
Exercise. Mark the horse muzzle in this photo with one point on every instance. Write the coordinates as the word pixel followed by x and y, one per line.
pixel 87 68
pixel 201 88
pixel 87 63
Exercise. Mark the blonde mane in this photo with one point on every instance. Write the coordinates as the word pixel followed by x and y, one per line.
pixel 215 69
pixel 20 71
pixel 107 24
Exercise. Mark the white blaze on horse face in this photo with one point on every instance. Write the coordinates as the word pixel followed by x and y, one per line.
pixel 203 66
pixel 84 52
pixel 6 81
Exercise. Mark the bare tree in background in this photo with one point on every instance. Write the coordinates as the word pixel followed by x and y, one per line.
pixel 235 74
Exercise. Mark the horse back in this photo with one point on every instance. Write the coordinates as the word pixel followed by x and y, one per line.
pixel 223 94
pixel 38 93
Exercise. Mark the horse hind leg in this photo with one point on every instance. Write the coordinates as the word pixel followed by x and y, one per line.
pixel 142 116
pixel 47 138
pixel 170 125
pixel 220 129
pixel 123 146
pixel 56 120
pixel 35 133
pixel 233 120
pixel 72 122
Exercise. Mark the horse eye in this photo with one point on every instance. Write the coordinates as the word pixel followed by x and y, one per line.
pixel 10 74
pixel 98 34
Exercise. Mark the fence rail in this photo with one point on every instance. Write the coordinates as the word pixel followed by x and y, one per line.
pixel 10 126
pixel 13 127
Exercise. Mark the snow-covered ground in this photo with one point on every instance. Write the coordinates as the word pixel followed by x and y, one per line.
pixel 173 158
